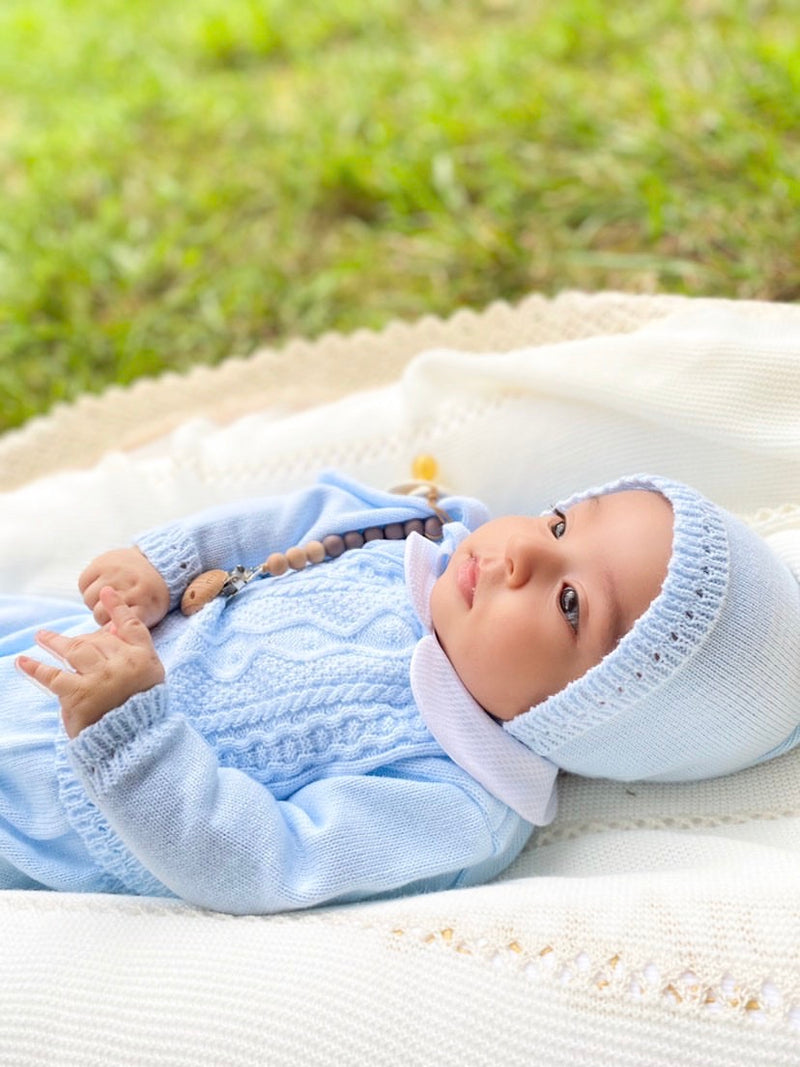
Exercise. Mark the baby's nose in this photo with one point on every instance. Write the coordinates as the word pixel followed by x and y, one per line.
pixel 526 557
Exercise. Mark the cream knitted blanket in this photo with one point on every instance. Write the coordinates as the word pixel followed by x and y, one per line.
pixel 648 925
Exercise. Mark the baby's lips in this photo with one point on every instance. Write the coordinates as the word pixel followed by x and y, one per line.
pixel 467 578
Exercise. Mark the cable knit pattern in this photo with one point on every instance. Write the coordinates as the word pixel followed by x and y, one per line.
pixel 284 762
pixel 326 651
pixel 665 930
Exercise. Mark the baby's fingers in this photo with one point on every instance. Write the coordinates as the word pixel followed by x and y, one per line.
pixel 50 678
pixel 58 645
pixel 81 654
pixel 124 621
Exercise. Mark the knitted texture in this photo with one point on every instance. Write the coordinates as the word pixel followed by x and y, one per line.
pixel 326 652
pixel 666 930
pixel 284 762
pixel 306 373
pixel 303 374
pixel 707 680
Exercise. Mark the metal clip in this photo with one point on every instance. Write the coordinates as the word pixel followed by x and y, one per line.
pixel 237 579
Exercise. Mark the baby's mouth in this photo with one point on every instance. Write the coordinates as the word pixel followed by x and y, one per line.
pixel 467 579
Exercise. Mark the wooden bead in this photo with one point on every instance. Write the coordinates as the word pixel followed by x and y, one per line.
pixel 296 557
pixel 334 545
pixel 209 585
pixel 353 539
pixel 433 528
pixel 276 564
pixel 202 590
pixel 315 551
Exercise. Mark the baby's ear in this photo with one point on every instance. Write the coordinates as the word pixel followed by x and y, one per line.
pixel 786 546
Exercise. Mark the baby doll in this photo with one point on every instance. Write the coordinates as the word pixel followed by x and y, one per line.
pixel 391 719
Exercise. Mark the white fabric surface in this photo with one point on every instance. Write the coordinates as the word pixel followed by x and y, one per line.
pixel 647 925
pixel 709 398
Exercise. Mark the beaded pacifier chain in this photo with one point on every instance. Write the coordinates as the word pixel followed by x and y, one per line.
pixel 211 584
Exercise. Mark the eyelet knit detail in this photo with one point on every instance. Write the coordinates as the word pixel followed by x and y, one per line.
pixel 661 642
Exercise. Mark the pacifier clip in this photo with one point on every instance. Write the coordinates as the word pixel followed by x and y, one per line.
pixel 210 584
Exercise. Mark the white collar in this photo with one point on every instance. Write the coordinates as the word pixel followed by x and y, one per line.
pixel 471 738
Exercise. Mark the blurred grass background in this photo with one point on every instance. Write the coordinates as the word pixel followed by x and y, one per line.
pixel 186 181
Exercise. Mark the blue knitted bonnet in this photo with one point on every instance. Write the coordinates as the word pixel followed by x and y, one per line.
pixel 706 682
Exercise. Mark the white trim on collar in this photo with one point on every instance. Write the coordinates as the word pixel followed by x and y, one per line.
pixel 479 745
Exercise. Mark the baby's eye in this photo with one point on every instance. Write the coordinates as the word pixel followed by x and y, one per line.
pixel 568 602
pixel 559 527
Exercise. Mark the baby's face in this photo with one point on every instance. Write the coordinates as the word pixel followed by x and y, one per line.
pixel 527 605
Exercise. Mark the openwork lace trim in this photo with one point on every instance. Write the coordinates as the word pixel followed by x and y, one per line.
pixel 773 520
pixel 568 831
pixel 614 976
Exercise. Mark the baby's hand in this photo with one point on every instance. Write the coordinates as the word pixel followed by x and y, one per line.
pixel 108 666
pixel 135 579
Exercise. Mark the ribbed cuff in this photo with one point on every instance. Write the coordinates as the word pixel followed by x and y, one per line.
pixel 107 748
pixel 175 558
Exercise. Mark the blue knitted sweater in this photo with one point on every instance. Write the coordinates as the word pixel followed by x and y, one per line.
pixel 283 763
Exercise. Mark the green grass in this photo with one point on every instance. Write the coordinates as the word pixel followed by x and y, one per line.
pixel 185 181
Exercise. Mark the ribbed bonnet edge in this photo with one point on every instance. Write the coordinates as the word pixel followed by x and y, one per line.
pixel 665 637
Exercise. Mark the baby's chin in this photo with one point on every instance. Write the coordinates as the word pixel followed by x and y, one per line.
pixel 498 711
